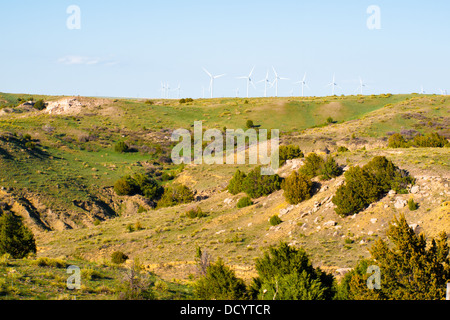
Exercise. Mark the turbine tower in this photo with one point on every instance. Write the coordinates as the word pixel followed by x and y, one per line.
pixel 333 84
pixel 303 83
pixel 178 89
pixel 266 82
pixel 249 80
pixel 211 82
pixel 277 77
pixel 421 90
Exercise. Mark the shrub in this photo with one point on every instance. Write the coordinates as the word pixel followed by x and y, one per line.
pixel 286 273
pixel 126 186
pixel 183 100
pixel 90 274
pixel 312 166
pixel 136 284
pixel 118 257
pixel 275 220
pixel 330 169
pixel 130 227
pixel 397 141
pixel 256 185
pixel 49 262
pixel 410 269
pixel 244 202
pixel 121 147
pixel 195 213
pixel 412 205
pixel 342 149
pixel 297 188
pixel 175 195
pixel 289 152
pixel 15 238
pixel 220 283
pixel 30 145
pixel 149 102
pixel 330 120
pixel 432 140
pixel 368 184
pixel 249 124
pixel 40 105
pixel 235 185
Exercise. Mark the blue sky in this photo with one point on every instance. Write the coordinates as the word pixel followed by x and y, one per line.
pixel 126 48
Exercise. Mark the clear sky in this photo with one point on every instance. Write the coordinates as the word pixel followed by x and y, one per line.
pixel 126 48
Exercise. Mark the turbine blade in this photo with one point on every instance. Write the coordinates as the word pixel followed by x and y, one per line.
pixel 207 72
pixel 221 75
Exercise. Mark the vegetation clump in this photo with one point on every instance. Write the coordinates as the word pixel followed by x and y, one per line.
pixel 174 195
pixel 195 212
pixel 289 152
pixel 121 147
pixel 275 220
pixel 15 238
pixel 367 184
pixel 431 140
pixel 297 188
pixel 409 269
pixel 244 202
pixel 118 257
pixel 254 184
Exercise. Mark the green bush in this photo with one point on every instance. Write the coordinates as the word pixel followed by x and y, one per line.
pixel 40 105
pixel 30 145
pixel 15 238
pixel 235 184
pixel 118 257
pixel 397 141
pixel 138 184
pixel 289 152
pixel 432 140
pixel 256 185
pixel 297 188
pixel 412 205
pixel 126 186
pixel 342 149
pixel 220 283
pixel 195 213
pixel 275 220
pixel 287 273
pixel 49 262
pixel 312 166
pixel 175 195
pixel 249 124
pixel 330 120
pixel 367 184
pixel 330 169
pixel 121 147
pixel 244 202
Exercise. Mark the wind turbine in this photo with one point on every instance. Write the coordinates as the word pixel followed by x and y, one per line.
pixel 421 90
pixel 443 92
pixel 333 84
pixel 178 89
pixel 303 83
pixel 276 81
pixel 163 90
pixel 361 85
pixel 249 80
pixel 266 82
pixel 211 82
pixel 237 92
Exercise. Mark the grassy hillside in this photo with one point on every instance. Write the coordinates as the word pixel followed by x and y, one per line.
pixel 62 184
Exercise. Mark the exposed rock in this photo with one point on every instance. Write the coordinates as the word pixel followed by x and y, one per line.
pixel 342 271
pixel 392 193
pixel 415 189
pixel 374 220
pixel 324 188
pixel 330 223
pixel 400 203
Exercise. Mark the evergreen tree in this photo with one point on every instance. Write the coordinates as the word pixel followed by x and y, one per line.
pixel 286 273
pixel 297 188
pixel 312 166
pixel 235 185
pixel 15 238
pixel 330 169
pixel 220 283
pixel 409 269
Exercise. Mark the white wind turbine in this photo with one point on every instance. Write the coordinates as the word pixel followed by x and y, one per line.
pixel 211 82
pixel 178 90
pixel 333 84
pixel 163 90
pixel 276 81
pixel 249 80
pixel 361 86
pixel 303 83
pixel 443 92
pixel 266 82
pixel 421 90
